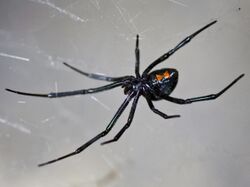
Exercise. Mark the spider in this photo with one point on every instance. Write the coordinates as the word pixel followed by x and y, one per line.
pixel 152 85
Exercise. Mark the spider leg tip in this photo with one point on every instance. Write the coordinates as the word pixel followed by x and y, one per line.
pixel 240 76
pixel 107 142
pixel 103 143
pixel 213 22
pixel 9 90
pixel 176 116
pixel 40 165
pixel 43 164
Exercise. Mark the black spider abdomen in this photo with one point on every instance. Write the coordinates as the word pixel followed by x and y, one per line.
pixel 163 82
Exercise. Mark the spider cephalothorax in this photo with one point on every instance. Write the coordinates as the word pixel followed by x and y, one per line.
pixel 155 85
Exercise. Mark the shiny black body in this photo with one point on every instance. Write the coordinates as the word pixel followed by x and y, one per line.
pixel 164 87
pixel 153 85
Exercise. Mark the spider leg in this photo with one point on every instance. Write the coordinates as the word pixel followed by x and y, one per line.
pixel 202 98
pixel 178 46
pixel 70 93
pixel 152 107
pixel 127 125
pixel 96 76
pixel 137 58
pixel 98 136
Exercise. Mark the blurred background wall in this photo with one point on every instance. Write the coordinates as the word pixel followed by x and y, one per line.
pixel 207 146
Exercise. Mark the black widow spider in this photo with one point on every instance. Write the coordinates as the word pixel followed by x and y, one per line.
pixel 155 85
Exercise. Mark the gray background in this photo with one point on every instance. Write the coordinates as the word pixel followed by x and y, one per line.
pixel 207 146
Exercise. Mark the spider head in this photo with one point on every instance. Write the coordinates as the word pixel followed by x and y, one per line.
pixel 133 85
pixel 163 81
